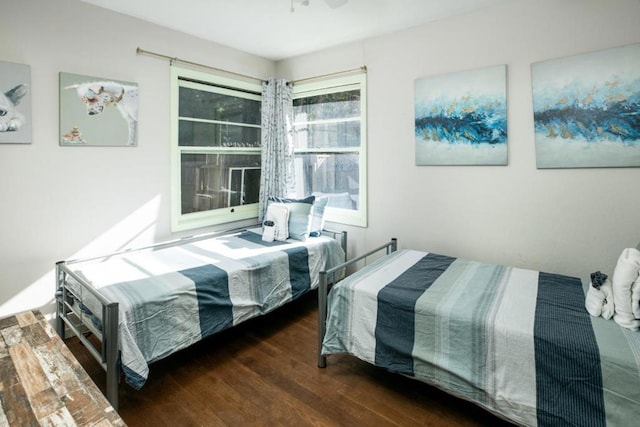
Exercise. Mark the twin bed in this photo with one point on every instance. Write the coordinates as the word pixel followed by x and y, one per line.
pixel 146 304
pixel 517 342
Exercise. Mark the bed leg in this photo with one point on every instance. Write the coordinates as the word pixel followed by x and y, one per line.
pixel 322 362
pixel 322 316
pixel 110 352
pixel 59 300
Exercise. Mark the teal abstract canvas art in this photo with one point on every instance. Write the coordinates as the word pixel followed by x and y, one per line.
pixel 586 109
pixel 461 118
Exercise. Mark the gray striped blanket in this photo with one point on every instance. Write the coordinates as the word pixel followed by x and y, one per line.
pixel 173 297
pixel 517 342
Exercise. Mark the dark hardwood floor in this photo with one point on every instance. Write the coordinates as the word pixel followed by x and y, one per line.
pixel 264 372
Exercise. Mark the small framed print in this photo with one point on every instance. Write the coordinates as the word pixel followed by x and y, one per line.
pixel 15 103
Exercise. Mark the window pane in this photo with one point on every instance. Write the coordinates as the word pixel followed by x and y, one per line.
pixel 333 175
pixel 338 105
pixel 201 104
pixel 327 135
pixel 213 181
pixel 198 134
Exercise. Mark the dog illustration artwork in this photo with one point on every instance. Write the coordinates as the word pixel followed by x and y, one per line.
pixel 98 96
pixel 11 119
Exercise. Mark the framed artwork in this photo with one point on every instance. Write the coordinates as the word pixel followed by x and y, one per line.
pixel 586 109
pixel 15 103
pixel 461 118
pixel 97 111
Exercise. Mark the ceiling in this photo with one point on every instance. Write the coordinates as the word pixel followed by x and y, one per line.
pixel 270 29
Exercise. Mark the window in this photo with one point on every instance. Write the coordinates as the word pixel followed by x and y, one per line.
pixel 216 149
pixel 330 145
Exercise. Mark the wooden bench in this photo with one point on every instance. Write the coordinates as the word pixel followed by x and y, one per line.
pixel 41 382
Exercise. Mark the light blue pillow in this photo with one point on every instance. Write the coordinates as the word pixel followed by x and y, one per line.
pixel 317 216
pixel 299 215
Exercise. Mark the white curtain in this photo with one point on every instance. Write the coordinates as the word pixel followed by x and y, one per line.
pixel 277 175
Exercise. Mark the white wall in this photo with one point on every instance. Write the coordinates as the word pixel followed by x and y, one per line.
pixel 63 202
pixel 569 221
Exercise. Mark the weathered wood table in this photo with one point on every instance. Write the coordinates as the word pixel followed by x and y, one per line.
pixel 41 382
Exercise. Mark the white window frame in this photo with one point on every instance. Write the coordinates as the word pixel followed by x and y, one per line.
pixel 340 84
pixel 180 221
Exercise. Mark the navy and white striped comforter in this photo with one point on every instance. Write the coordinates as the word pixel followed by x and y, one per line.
pixel 173 297
pixel 517 342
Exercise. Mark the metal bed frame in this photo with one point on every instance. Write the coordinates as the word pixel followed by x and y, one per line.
pixel 332 276
pixel 106 351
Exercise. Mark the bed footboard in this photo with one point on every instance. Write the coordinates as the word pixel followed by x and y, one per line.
pixel 331 276
pixel 69 315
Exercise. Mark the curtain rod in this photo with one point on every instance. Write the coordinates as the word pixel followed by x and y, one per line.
pixel 362 69
pixel 173 59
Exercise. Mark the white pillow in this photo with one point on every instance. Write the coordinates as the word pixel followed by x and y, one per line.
pixel 299 215
pixel 317 216
pixel 279 214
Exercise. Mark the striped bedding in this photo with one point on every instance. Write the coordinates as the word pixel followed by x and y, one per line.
pixel 516 342
pixel 173 297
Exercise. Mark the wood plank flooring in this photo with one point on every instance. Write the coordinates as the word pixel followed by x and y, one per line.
pixel 41 383
pixel 264 372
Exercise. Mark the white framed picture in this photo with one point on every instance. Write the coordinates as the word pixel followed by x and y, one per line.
pixel 95 111
pixel 15 103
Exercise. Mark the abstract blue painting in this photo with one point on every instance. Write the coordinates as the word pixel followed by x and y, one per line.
pixel 461 118
pixel 586 109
